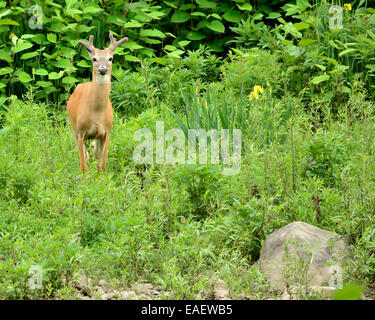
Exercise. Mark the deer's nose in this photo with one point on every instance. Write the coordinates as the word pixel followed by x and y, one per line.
pixel 102 70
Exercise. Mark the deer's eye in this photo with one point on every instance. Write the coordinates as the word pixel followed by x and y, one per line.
pixel 94 59
pixel 110 59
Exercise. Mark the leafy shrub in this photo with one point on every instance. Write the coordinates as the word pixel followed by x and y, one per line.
pixel 129 94
pixel 90 230
pixel 203 184
pixel 325 159
pixel 253 67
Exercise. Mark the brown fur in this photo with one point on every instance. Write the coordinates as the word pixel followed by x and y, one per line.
pixel 89 107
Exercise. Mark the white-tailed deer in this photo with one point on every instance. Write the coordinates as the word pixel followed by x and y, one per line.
pixel 89 107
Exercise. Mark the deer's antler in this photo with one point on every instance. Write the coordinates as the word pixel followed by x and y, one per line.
pixel 114 44
pixel 89 46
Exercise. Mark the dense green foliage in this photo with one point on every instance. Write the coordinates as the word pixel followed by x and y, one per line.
pixel 301 93
pixel 49 60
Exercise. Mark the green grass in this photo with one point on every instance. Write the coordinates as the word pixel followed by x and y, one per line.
pixel 179 227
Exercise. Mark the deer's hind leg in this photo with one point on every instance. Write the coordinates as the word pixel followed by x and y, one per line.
pixel 97 146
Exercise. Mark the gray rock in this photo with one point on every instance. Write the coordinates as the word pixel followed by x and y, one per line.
pixel 303 255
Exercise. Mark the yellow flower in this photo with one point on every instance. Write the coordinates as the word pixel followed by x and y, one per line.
pixel 254 95
pixel 257 89
pixel 11 35
pixel 348 6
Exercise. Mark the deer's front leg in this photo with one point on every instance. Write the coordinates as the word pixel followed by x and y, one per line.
pixel 104 144
pixel 81 150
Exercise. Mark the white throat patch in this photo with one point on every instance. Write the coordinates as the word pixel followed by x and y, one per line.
pixel 102 79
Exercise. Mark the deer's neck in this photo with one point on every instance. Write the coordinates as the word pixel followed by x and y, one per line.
pixel 100 91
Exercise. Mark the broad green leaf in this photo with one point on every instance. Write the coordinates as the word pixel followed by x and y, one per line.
pixel 30 55
pixel 69 80
pixel 71 12
pixel 294 51
pixel 51 37
pixel 168 47
pixel 8 22
pixel 5 70
pixel 83 64
pixel 49 90
pixel 83 28
pixel 142 17
pixel 320 79
pixel 180 17
pixel 195 35
pixel 216 26
pixel 301 26
pixel 258 16
pixel 27 36
pixel 62 63
pixel 150 40
pixel 198 14
pixel 205 4
pixel 55 75
pixel 170 34
pixel 132 45
pixel 39 38
pixel 157 15
pixel 289 28
pixel 6 55
pixel 160 61
pixel 67 52
pixel 152 33
pixel 232 16
pixel 43 84
pixel 346 89
pixel 132 58
pixel 306 42
pixel 92 10
pixel 147 52
pixel 22 45
pixel 245 6
pixel 274 15
pixel 171 4
pixel 133 24
pixel 24 77
pixel 41 72
pixel 214 15
pixel 69 27
pixel 176 54
pixel 183 43
pixel 5 13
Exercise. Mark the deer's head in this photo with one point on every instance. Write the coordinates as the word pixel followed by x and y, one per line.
pixel 102 59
